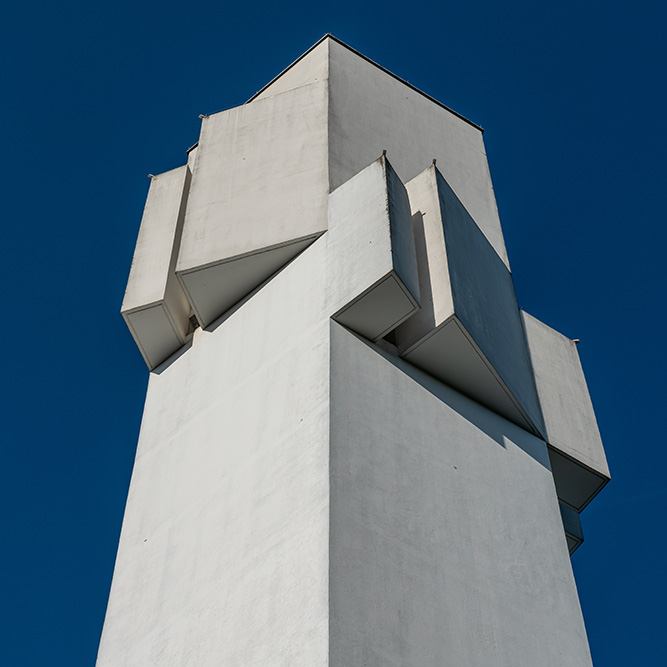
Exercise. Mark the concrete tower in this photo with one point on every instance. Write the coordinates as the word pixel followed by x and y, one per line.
pixel 356 450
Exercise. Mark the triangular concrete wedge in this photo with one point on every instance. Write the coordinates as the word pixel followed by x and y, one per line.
pixel 373 251
pixel 450 355
pixel 461 276
pixel 380 309
pixel 214 289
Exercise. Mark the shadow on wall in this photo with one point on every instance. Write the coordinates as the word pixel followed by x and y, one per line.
pixel 425 289
pixel 499 429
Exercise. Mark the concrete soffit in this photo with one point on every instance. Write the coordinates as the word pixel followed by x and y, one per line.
pixel 214 288
pixel 372 245
pixel 450 354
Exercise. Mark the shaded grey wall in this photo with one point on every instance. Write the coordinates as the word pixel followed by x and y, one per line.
pixel 446 542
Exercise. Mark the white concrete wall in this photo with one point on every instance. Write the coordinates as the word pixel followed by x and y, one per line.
pixel 299 497
pixel 446 546
pixel 258 196
pixel 260 178
pixel 371 111
pixel 223 558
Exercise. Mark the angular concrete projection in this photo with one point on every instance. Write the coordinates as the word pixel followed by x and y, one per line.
pixel 258 196
pixel 572 527
pixel 302 495
pixel 155 308
pixel 371 109
pixel 373 251
pixel 468 332
pixel 577 456
pixel 444 529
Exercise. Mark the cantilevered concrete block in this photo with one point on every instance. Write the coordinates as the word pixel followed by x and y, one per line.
pixel 572 527
pixel 258 196
pixel 468 332
pixel 373 251
pixel 155 307
pixel 577 456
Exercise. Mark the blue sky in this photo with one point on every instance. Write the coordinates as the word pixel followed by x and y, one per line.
pixel 97 95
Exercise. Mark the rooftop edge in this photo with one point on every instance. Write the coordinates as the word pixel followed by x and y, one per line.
pixel 372 62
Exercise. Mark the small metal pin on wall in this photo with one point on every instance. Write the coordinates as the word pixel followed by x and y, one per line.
pixel 202 116
pixel 152 176
pixel 576 341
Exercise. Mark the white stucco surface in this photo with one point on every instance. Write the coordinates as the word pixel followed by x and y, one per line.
pixel 260 182
pixel 446 543
pixel 301 496
pixel 223 558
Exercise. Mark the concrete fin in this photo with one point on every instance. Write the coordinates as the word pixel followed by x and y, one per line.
pixel 214 289
pixel 461 276
pixel 373 249
pixel 260 178
pixel 155 307
pixel 578 459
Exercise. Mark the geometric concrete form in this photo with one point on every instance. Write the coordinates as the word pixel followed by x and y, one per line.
pixel 371 109
pixel 468 332
pixel 572 527
pixel 370 235
pixel 577 456
pixel 155 308
pixel 319 481
pixel 258 197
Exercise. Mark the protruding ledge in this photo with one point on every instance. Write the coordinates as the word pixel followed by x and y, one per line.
pixel 370 234
pixel 258 197
pixel 577 456
pixel 155 308
pixel 215 288
pixel 468 332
